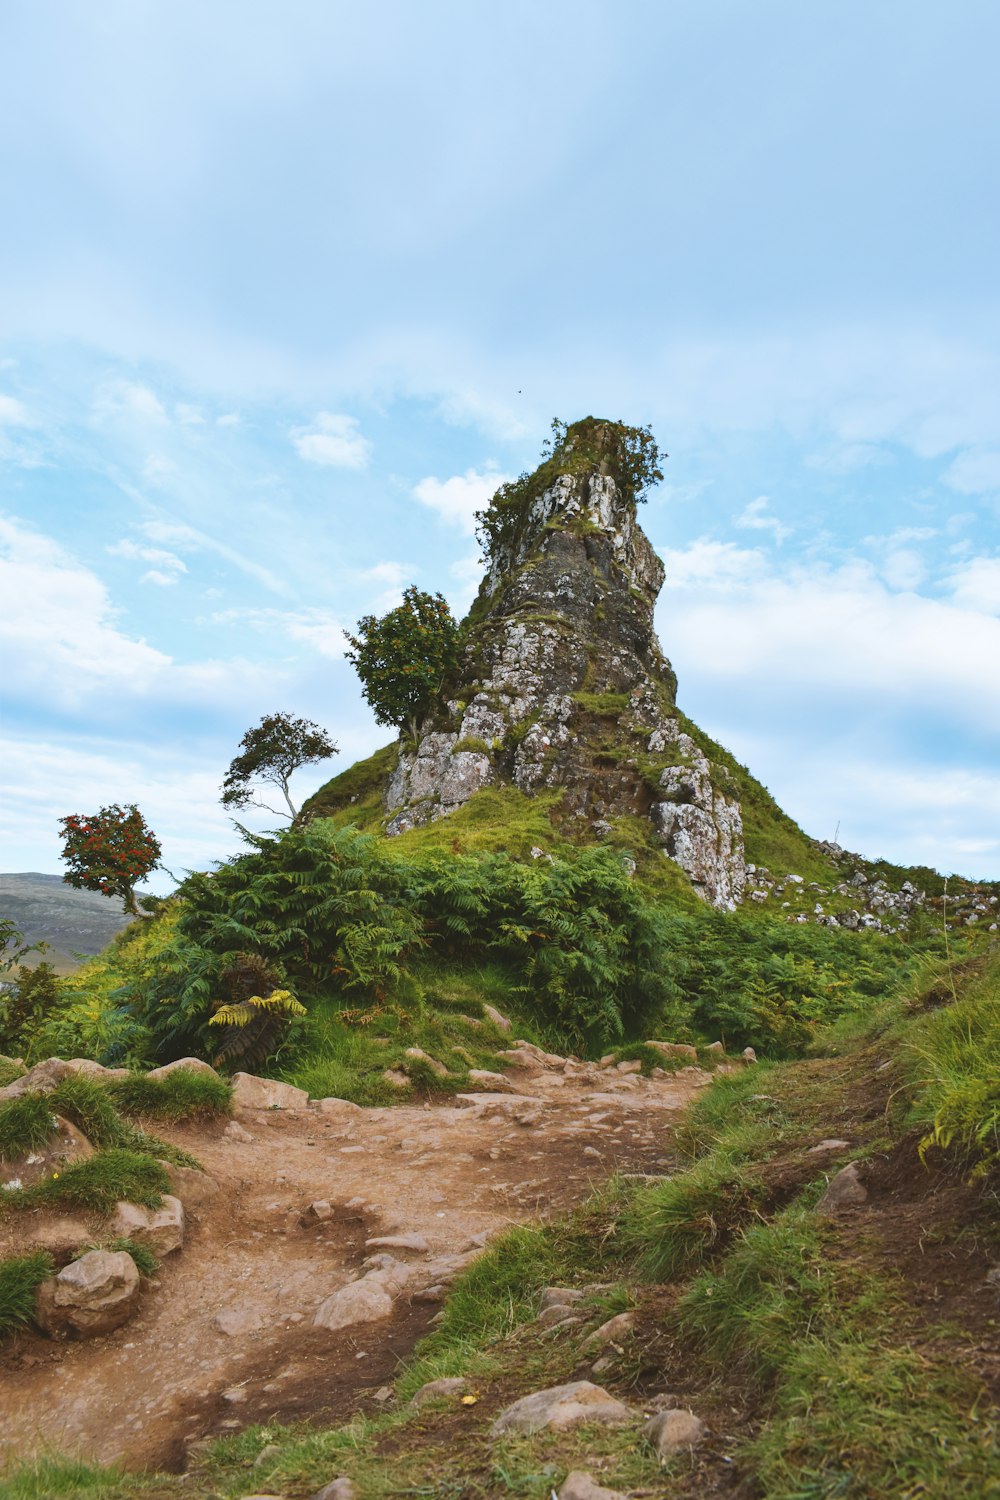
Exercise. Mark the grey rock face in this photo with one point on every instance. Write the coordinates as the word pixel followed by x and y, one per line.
pixel 564 687
pixel 160 1230
pixel 562 1407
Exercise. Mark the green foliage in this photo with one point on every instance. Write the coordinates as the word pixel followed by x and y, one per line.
pixel 678 1223
pixel 97 1183
pixel 109 851
pixel 272 751
pixel 35 994
pixel 181 1095
pixel 254 1026
pixel 146 1262
pixel 951 1062
pixel 25 1124
pixel 10 1069
pixel 12 945
pixel 629 454
pixel 355 796
pixel 20 1278
pixel 404 658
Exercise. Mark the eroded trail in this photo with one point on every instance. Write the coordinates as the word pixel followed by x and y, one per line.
pixel 227 1337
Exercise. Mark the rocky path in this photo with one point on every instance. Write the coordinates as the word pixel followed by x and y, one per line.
pixel 228 1333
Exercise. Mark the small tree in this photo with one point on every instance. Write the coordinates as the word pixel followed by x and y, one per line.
pixel 404 657
pixel 110 852
pixel 277 747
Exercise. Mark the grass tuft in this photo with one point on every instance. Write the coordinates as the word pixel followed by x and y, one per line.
pixel 182 1095
pixel 97 1184
pixel 25 1125
pixel 20 1278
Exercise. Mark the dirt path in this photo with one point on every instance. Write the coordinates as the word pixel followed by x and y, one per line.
pixel 453 1174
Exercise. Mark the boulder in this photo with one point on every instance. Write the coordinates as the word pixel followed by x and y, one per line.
pixel 192 1186
pixel 561 1407
pixel 716 1048
pixel 749 1055
pixel 234 1131
pixel 364 1301
pixel 583 1486
pixel 65 1145
pixel 336 1107
pixel 318 1212
pixel 671 1431
pixel 62 1238
pixel 418 1055
pixel 338 1489
pixel 233 1321
pixel 189 1064
pixel 675 1049
pixel 495 1081
pixel 91 1069
pixel 41 1079
pixel 498 1019
pixel 159 1229
pixel 613 1330
pixel 250 1092
pixel 845 1190
pixel 435 1390
pixel 92 1295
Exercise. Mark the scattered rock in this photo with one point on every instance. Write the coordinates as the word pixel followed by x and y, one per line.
pixel 62 1238
pixel 337 1489
pixel 92 1295
pixel 267 1455
pixel 91 1069
pixel 434 1390
pixel 583 1486
pixel 560 1312
pixel 318 1212
pixel 363 1301
pixel 418 1055
pixel 749 1055
pixel 675 1049
pixel 398 1079
pixel 830 1145
pixel 234 1132
pixel 845 1190
pixel 192 1186
pixel 189 1064
pixel 398 1242
pixel 613 1330
pixel 250 1092
pixel 629 1067
pixel 337 1107
pixel 233 1321
pixel 559 1296
pixel 496 1081
pixel 670 1431
pixel 159 1229
pixel 716 1048
pixel 492 1014
pixel 561 1407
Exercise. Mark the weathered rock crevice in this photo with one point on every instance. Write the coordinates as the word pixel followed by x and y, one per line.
pixel 563 685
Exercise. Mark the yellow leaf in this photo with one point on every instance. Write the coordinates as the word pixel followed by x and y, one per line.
pixel 469 1400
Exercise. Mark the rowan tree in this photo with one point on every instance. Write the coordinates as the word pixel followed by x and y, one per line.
pixel 404 657
pixel 271 752
pixel 109 851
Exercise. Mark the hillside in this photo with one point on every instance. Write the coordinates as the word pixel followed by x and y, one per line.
pixel 72 922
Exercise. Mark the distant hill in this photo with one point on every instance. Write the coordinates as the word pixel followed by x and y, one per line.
pixel 70 921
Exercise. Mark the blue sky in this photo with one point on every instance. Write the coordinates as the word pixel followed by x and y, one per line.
pixel 286 291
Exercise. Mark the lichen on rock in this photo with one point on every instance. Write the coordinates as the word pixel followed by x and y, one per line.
pixel 563 683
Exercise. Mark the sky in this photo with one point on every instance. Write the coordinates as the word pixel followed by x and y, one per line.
pixel 287 291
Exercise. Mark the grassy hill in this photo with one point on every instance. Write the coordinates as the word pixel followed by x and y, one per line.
pixel 72 922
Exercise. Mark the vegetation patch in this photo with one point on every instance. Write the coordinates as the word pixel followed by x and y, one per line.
pixel 96 1184
pixel 181 1095
pixel 20 1278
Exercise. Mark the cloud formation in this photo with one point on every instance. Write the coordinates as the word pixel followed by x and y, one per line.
pixel 457 499
pixel 334 441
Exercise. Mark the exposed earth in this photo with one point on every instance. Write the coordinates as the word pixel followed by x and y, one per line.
pixel 225 1335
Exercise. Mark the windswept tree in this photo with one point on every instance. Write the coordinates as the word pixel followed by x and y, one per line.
pixel 404 657
pixel 109 851
pixel 278 746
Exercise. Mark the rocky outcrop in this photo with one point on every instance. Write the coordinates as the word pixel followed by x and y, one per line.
pixel 564 687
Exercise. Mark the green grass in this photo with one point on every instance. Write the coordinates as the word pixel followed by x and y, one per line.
pixel 356 795
pixel 57 1478
pixel 181 1095
pixel 146 1262
pixel 9 1071
pixel 25 1125
pixel 493 821
pixel 96 1184
pixel 20 1278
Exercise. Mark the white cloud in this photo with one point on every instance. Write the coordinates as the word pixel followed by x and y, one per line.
pixel 817 635
pixel 187 539
pixel 467 573
pixel 189 415
pixel 134 552
pixel 715 565
pixel 228 419
pixel 13 413
pixel 757 517
pixel 130 398
pixel 160 579
pixel 335 440
pixel 975 472
pixel 903 568
pixel 457 499
pixel 976 585
pixel 313 627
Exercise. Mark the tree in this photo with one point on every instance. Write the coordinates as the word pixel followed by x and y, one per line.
pixel 110 852
pixel 404 657
pixel 272 751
